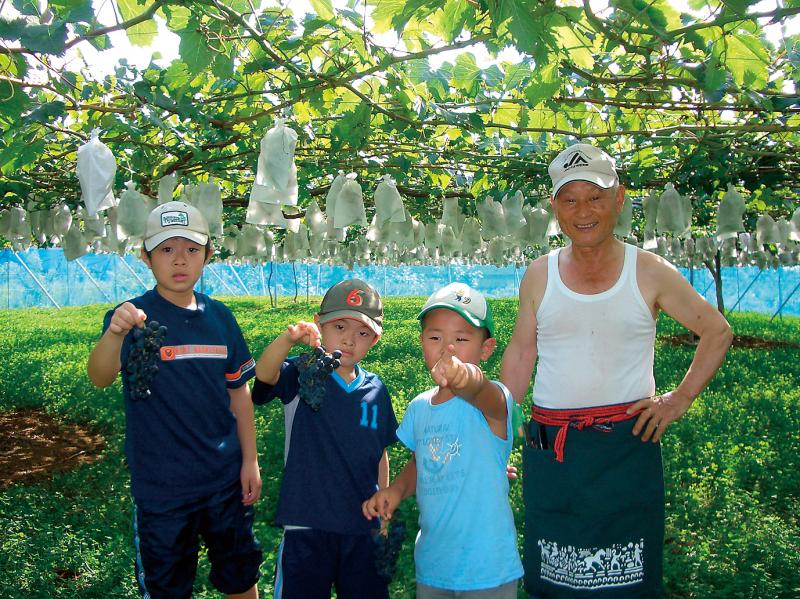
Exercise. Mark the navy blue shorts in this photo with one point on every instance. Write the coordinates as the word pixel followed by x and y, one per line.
pixel 167 543
pixel 310 562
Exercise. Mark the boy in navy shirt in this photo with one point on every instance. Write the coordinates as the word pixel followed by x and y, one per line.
pixel 190 444
pixel 335 457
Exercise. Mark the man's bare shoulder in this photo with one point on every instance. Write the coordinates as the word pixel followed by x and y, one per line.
pixel 536 272
pixel 657 275
pixel 534 282
pixel 653 265
pixel 538 266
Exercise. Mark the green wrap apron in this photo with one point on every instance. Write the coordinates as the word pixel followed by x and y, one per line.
pixel 594 523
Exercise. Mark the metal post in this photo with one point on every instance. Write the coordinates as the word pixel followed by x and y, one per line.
pixel 33 276
pixel 221 280
pixel 133 272
pixel 276 285
pixel 269 285
pixel 755 278
pixel 294 274
pixel 91 278
pixel 786 301
pixel 261 273
pixel 708 287
pixel 238 278
pixel 780 293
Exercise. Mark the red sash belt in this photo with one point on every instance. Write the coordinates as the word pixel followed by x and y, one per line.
pixel 579 419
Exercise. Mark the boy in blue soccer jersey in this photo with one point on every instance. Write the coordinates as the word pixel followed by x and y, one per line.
pixel 335 456
pixel 460 435
pixel 190 444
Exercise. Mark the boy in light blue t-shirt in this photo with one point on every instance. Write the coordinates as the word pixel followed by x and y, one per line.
pixel 460 436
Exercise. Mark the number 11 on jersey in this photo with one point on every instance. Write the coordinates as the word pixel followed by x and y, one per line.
pixel 365 413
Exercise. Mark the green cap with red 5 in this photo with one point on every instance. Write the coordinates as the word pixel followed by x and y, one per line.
pixel 353 299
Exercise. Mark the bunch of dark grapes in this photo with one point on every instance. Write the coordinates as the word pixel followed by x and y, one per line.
pixel 388 543
pixel 142 360
pixel 314 368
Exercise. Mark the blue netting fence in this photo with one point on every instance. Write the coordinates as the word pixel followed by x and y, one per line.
pixel 43 277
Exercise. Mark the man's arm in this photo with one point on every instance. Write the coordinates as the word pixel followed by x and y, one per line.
pixel 675 296
pixel 104 361
pixel 250 476
pixel 268 366
pixel 520 355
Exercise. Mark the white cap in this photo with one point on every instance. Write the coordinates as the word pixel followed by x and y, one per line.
pixel 582 162
pixel 175 219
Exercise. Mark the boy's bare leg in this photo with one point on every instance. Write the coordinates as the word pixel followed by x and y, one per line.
pixel 251 593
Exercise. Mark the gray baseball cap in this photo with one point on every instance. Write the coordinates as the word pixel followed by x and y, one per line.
pixel 582 162
pixel 175 219
pixel 353 299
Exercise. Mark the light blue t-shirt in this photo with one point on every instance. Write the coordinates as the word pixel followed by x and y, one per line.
pixel 467 540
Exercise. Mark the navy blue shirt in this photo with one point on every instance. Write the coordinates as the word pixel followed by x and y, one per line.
pixel 181 442
pixel 332 455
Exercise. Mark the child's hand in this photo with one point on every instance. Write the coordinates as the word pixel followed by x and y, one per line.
pixel 304 332
pixel 382 504
pixel 449 371
pixel 125 318
pixel 511 472
pixel 250 477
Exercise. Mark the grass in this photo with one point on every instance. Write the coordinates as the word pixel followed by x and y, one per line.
pixel 732 465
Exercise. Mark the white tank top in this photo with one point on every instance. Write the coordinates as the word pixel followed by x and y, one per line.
pixel 594 350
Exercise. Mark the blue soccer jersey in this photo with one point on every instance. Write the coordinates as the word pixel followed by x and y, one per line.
pixel 331 455
pixel 182 442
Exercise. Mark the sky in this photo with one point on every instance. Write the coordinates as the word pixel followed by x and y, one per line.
pixel 103 63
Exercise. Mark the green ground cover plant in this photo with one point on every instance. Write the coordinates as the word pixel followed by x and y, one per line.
pixel 732 465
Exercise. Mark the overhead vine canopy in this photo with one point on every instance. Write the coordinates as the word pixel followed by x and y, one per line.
pixel 700 100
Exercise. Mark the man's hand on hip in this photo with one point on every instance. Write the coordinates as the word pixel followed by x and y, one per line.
pixel 657 413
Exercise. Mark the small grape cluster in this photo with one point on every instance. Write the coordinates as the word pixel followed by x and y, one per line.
pixel 314 368
pixel 388 543
pixel 142 360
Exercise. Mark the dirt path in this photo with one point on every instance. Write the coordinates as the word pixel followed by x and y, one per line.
pixel 33 445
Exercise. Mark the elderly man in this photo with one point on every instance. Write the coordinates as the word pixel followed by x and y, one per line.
pixel 593 479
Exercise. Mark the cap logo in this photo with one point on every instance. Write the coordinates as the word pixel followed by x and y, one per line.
pixel 577 159
pixel 461 297
pixel 354 297
pixel 169 219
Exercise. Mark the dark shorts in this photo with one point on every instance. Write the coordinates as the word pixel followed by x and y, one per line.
pixel 167 543
pixel 311 562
